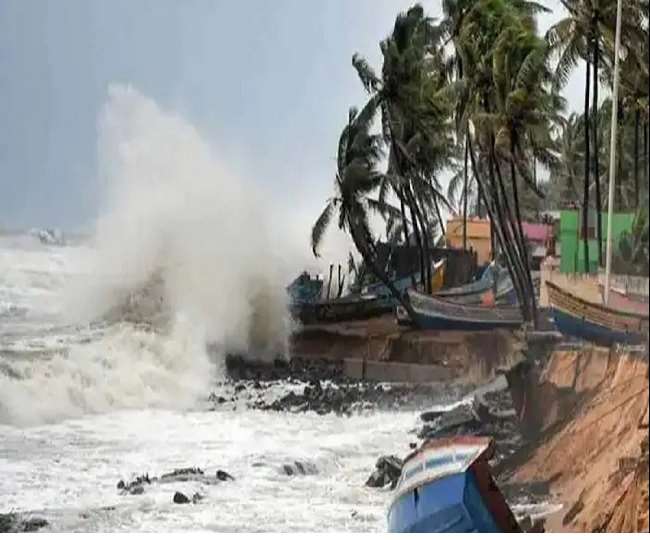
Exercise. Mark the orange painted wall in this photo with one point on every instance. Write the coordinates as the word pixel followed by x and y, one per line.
pixel 478 237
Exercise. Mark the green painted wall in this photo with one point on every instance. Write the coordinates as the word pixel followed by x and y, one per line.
pixel 572 248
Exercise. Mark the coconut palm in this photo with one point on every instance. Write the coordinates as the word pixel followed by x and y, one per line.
pixel 414 96
pixel 357 177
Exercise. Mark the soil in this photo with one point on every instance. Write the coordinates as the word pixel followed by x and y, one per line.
pixel 592 447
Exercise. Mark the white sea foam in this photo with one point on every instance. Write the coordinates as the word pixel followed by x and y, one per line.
pixel 169 207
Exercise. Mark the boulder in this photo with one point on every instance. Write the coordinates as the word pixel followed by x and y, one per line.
pixel 180 498
pixel 224 476
pixel 387 471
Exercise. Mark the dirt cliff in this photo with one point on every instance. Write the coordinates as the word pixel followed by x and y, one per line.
pixel 591 441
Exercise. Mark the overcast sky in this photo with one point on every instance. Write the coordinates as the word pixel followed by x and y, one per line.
pixel 267 82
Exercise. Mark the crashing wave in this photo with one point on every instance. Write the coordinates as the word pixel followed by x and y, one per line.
pixel 50 237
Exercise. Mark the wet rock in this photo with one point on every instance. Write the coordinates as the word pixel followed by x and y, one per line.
pixel 387 471
pixel 135 486
pixel 182 475
pixel 14 523
pixel 223 476
pixel 299 468
pixel 180 498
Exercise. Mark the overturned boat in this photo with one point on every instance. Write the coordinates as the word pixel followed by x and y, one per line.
pixel 446 486
pixel 433 313
pixel 578 318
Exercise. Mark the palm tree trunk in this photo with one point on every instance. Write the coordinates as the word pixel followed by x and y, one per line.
pixel 637 115
pixel 523 246
pixel 596 152
pixel 515 243
pixel 416 233
pixel 360 240
pixel 465 194
pixel 585 199
pixel 646 146
pixel 498 230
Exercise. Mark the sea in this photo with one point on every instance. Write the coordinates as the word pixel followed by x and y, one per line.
pixel 85 405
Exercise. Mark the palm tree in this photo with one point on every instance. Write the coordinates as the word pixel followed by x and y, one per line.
pixel 587 33
pixel 359 153
pixel 414 96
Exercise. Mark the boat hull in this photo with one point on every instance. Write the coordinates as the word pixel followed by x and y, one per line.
pixel 449 505
pixel 446 486
pixel 603 325
pixel 431 313
pixel 573 326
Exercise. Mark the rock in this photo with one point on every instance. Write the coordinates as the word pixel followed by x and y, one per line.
pixel 135 486
pixel 196 498
pixel 13 523
pixel 387 471
pixel 223 476
pixel 32 524
pixel 182 475
pixel 180 498
pixel 299 468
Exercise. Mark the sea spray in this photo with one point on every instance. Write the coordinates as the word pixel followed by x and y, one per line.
pixel 172 215
pixel 172 209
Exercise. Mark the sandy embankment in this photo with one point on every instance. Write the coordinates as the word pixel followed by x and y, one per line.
pixel 590 408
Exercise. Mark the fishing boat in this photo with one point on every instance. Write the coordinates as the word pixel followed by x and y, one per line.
pixel 433 313
pixel 376 300
pixel 576 317
pixel 494 287
pixel 625 301
pixel 348 308
pixel 446 486
pixel 403 284
pixel 305 288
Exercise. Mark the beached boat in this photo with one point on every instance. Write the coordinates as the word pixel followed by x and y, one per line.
pixel 348 308
pixel 446 486
pixel 433 313
pixel 403 284
pixel 375 301
pixel 305 288
pixel 628 302
pixel 576 317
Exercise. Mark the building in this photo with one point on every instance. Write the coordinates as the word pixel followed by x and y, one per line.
pixel 572 258
pixel 478 237
pixel 539 238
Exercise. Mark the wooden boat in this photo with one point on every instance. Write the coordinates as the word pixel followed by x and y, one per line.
pixel 305 288
pixel 628 302
pixel 348 308
pixel 446 486
pixel 403 284
pixel 482 291
pixel 435 314
pixel 576 317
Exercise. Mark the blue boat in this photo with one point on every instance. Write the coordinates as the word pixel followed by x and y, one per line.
pixel 599 324
pixel 446 486
pixel 432 313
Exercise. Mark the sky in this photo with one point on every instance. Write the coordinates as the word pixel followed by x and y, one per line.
pixel 268 83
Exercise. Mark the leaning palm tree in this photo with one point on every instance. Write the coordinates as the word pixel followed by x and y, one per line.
pixel 357 177
pixel 414 96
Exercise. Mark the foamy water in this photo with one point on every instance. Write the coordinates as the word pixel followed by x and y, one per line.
pixel 85 402
pixel 82 407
